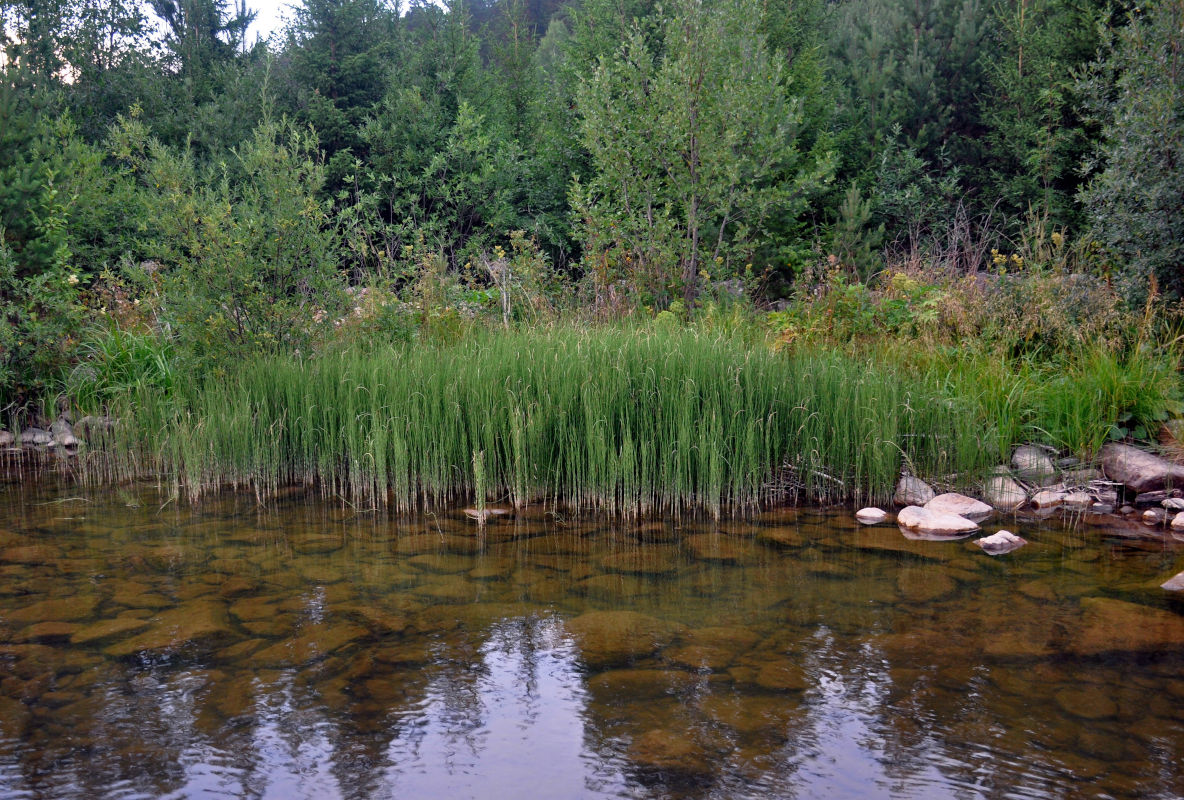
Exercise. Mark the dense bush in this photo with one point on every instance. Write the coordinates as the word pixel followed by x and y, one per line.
pixel 245 261
pixel 1135 202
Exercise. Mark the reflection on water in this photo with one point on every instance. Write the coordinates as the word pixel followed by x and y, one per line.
pixel 307 650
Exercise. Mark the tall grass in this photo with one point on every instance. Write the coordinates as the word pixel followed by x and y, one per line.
pixel 628 421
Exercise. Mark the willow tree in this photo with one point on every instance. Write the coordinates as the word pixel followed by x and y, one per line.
pixel 693 138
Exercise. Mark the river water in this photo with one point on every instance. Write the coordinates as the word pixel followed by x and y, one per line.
pixel 311 650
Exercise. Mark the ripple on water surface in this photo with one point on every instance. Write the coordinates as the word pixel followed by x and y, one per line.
pixel 309 651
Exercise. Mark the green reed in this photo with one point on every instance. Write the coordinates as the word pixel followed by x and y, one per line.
pixel 625 421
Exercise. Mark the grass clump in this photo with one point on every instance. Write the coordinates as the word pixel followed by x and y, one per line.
pixel 621 420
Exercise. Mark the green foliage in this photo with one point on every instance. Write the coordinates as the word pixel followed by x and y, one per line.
pixel 910 71
pixel 1035 138
pixel 116 362
pixel 915 199
pixel 513 162
pixel 52 205
pixel 854 241
pixel 838 310
pixel 693 145
pixel 249 265
pixel 441 164
pixel 1135 199
pixel 337 72
pixel 38 315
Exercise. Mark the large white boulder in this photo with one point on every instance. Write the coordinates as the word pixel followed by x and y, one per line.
pixel 928 521
pixel 960 504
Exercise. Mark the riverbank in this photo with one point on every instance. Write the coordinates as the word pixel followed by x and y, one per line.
pixel 628 420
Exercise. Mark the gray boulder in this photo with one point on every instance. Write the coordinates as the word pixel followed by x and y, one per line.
pixel 90 427
pixel 1155 516
pixel 1049 498
pixel 1004 493
pixel 912 491
pixel 35 436
pixel 960 504
pixel 62 435
pixel 1174 583
pixel 1139 470
pixel 1032 464
pixel 7 439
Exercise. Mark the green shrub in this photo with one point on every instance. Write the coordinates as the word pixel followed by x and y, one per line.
pixel 248 258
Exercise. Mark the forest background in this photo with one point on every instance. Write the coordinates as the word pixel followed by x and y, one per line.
pixel 923 184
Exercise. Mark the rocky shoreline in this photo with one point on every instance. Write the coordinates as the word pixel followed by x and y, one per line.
pixel 62 435
pixel 1130 491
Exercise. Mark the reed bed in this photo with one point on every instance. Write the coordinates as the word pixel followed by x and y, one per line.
pixel 624 421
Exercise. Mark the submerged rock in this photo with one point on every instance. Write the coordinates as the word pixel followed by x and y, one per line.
pixel 63 609
pixel 47 632
pixel 315 643
pixel 720 548
pixel 1116 626
pixel 199 622
pixel 109 629
pixel 781 675
pixel 711 649
pixel 1139 470
pixel 781 537
pixel 959 504
pixel 1086 702
pixel 643 561
pixel 612 638
pixel 1001 542
pixel 670 750
pixel 924 520
pixel 912 491
pixel 922 585
pixel 871 516
pixel 631 685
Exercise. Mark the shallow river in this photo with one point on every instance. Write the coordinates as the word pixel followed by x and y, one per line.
pixel 310 650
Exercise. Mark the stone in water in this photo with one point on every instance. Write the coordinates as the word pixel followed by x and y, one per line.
pixel 871 516
pixel 1001 542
